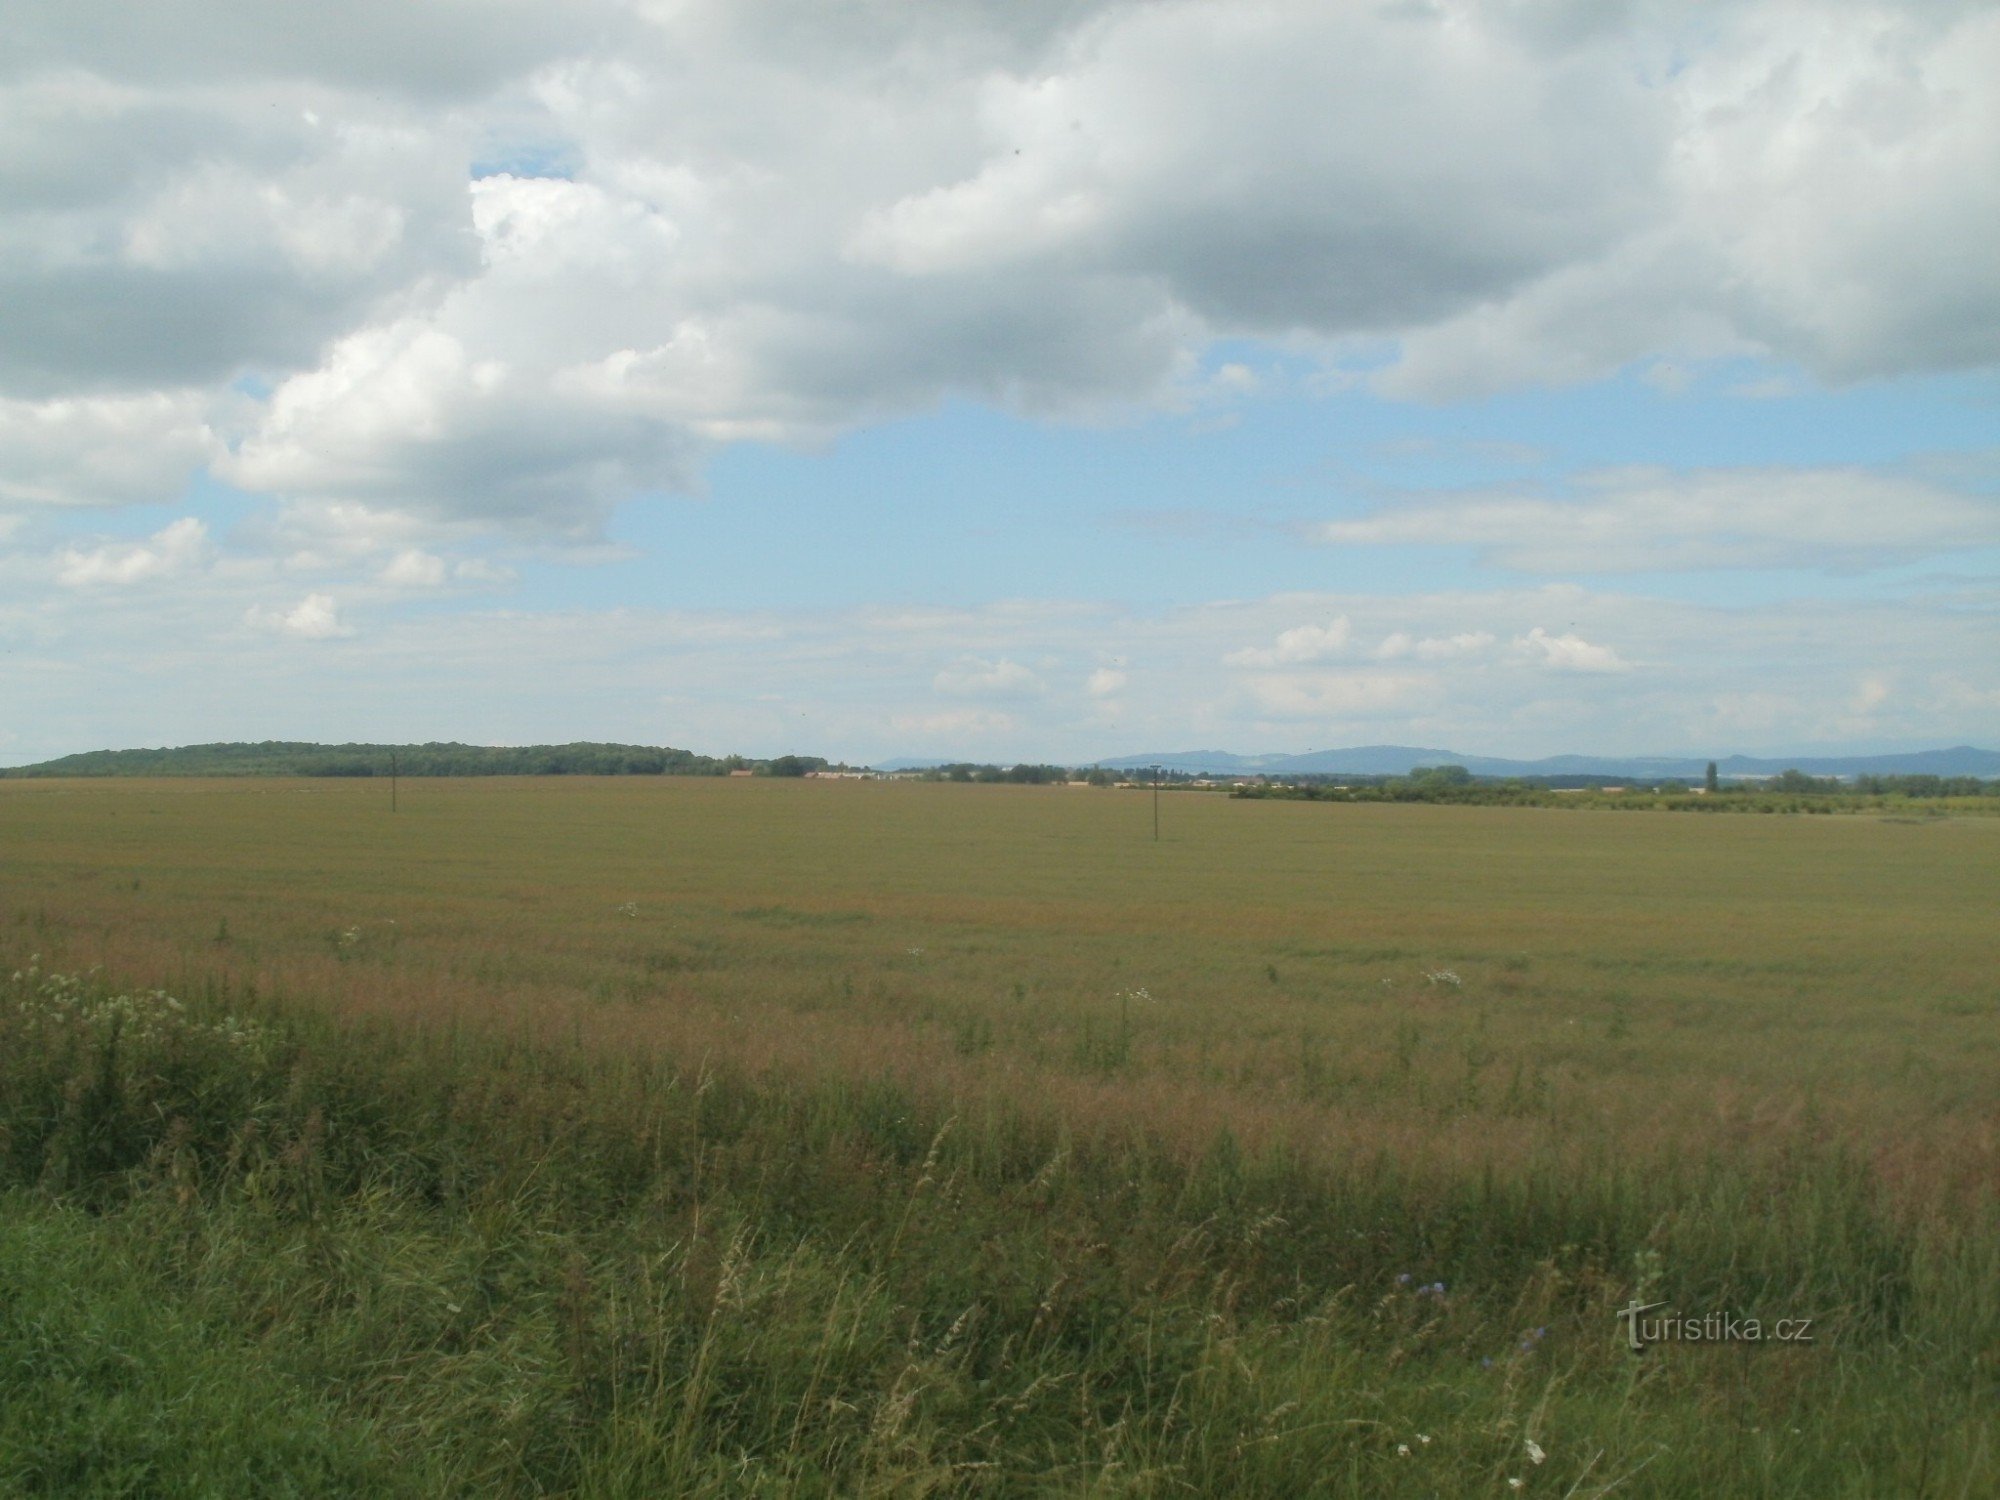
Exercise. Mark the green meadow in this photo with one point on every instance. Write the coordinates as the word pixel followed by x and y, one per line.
pixel 687 1136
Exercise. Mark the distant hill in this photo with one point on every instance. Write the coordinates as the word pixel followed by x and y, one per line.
pixel 297 758
pixel 1400 760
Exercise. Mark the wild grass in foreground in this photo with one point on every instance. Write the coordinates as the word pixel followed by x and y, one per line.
pixel 250 1247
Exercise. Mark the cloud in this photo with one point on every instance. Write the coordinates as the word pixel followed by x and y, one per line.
pixel 405 419
pixel 103 450
pixel 1568 653
pixel 414 568
pixel 208 232
pixel 1869 695
pixel 1106 682
pixel 1826 189
pixel 1644 520
pixel 419 49
pixel 964 726
pixel 1302 643
pixel 1240 157
pixel 1434 648
pixel 712 221
pixel 313 618
pixel 176 548
pixel 976 678
pixel 1333 695
pixel 481 571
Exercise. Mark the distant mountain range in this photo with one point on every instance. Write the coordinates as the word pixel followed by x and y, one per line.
pixel 1400 760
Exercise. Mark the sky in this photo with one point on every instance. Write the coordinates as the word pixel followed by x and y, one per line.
pixel 1001 379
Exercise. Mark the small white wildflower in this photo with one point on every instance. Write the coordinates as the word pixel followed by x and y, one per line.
pixel 1535 1454
pixel 1402 1450
pixel 1424 1438
pixel 629 909
pixel 1513 1484
pixel 916 953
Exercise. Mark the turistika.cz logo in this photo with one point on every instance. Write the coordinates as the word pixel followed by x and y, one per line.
pixel 1710 1328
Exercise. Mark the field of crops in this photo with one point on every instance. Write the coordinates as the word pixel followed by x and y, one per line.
pixel 746 1136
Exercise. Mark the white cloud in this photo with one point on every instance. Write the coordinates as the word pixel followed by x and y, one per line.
pixel 965 726
pixel 313 618
pixel 405 419
pixel 973 677
pixel 1829 184
pixel 176 548
pixel 1302 643
pixel 781 220
pixel 1106 682
pixel 1434 648
pixel 413 568
pixel 480 570
pixel 1568 652
pixel 102 450
pixel 1333 695
pixel 164 237
pixel 1641 519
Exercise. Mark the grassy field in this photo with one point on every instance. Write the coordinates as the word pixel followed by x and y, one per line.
pixel 684 1136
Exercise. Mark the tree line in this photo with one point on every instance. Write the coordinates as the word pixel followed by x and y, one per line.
pixel 293 758
pixel 1789 791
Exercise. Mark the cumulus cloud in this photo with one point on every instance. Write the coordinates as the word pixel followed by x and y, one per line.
pixel 1434 648
pixel 259 237
pixel 102 450
pixel 1568 652
pixel 174 549
pixel 405 419
pixel 413 568
pixel 1106 682
pixel 1302 643
pixel 715 220
pixel 313 618
pixel 1646 519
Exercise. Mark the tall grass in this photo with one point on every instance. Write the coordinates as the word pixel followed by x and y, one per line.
pixel 253 1246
